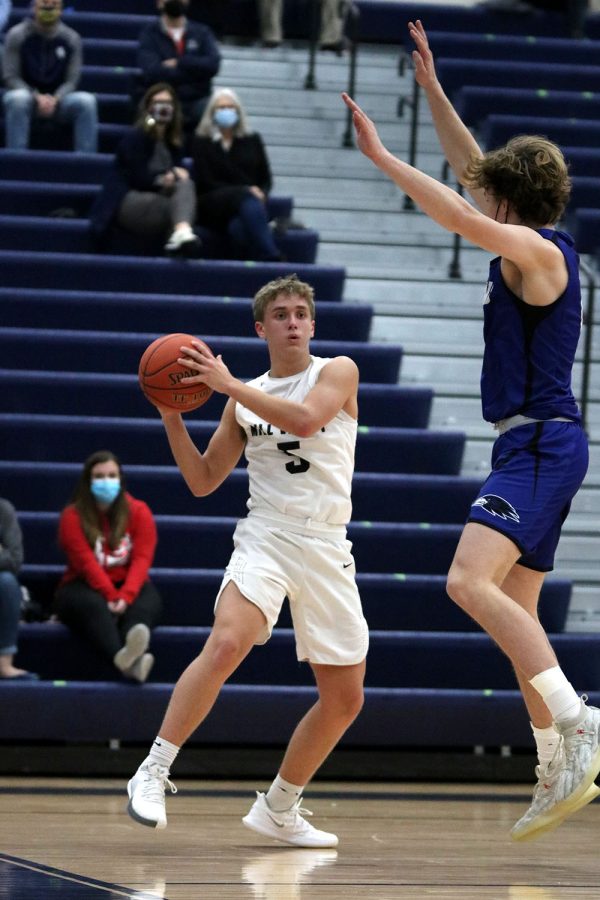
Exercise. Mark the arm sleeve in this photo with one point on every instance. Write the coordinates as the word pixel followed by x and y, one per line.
pixel 81 556
pixel 264 179
pixel 150 59
pixel 73 73
pixel 204 62
pixel 11 60
pixel 143 539
pixel 11 539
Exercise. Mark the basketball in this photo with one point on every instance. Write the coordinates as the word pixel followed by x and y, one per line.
pixel 160 374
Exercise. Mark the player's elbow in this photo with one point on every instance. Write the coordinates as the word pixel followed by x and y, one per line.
pixel 306 426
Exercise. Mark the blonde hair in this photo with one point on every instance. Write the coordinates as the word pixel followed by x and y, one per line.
pixel 530 172
pixel 288 284
pixel 207 128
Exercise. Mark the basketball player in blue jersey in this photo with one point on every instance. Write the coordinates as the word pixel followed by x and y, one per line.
pixel 532 318
pixel 297 425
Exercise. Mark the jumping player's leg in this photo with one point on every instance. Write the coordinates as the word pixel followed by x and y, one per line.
pixel 277 813
pixel 238 624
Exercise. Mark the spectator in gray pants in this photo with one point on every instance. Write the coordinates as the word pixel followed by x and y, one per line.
pixel 11 560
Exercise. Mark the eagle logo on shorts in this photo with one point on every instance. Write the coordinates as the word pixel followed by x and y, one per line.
pixel 497 506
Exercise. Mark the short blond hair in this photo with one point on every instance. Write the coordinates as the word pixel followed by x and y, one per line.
pixel 290 285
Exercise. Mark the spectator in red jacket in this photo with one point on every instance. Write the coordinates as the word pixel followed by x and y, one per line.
pixel 105 594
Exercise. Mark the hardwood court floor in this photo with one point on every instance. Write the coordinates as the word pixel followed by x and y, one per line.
pixel 72 839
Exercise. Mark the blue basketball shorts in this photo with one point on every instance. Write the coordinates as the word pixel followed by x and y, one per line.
pixel 536 471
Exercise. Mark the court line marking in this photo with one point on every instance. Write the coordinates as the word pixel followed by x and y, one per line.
pixel 76 879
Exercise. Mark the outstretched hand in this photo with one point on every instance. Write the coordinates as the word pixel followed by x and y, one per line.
pixel 210 368
pixel 422 57
pixel 367 138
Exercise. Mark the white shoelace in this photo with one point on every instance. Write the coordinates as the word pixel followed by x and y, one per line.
pixel 155 784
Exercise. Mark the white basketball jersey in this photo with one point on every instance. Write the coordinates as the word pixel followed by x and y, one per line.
pixel 307 478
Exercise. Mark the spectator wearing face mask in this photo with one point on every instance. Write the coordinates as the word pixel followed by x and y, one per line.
pixel 148 191
pixel 181 53
pixel 233 178
pixel 105 595
pixel 41 67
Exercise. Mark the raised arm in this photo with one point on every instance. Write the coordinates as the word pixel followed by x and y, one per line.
pixel 539 261
pixel 456 140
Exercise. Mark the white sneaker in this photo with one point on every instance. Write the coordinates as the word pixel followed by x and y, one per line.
pixel 141 668
pixel 146 792
pixel 288 826
pixel 136 644
pixel 567 783
pixel 181 239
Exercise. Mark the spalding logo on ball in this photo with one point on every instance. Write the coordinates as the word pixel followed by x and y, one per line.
pixel 160 374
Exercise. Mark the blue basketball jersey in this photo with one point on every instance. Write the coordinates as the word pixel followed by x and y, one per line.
pixel 530 350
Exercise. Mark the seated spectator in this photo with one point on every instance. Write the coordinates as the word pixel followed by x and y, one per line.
pixel 233 178
pixel 182 53
pixel 11 560
pixel 331 35
pixel 149 192
pixel 105 595
pixel 42 66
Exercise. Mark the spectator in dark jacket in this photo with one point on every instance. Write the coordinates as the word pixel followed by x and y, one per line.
pixel 41 67
pixel 233 177
pixel 11 560
pixel 148 191
pixel 182 53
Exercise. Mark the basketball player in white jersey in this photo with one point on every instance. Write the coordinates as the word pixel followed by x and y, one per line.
pixel 297 425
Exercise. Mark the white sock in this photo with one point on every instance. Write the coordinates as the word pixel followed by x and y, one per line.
pixel 162 752
pixel 546 740
pixel 282 795
pixel 558 694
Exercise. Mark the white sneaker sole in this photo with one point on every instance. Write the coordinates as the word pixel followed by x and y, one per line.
pixel 265 831
pixel 544 824
pixel 149 823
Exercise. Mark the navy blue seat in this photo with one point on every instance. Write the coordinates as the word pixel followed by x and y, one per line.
pixel 498 129
pixel 397 659
pixel 584 225
pixel 381 497
pixel 207 541
pixel 78 271
pixel 28 436
pixel 495 47
pixel 115 352
pixel 583 161
pixel 391 602
pixel 107 51
pixel 50 308
pixel 72 235
pixel 474 103
pixel 455 73
pixel 43 198
pixel 391 717
pixel 54 165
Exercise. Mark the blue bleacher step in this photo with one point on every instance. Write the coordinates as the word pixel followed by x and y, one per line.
pixel 117 352
pixel 418 548
pixel 378 497
pixel 409 659
pixel 474 103
pixel 391 717
pixel 80 271
pixel 391 602
pixel 232 316
pixel 455 73
pixel 36 438
pixel 73 235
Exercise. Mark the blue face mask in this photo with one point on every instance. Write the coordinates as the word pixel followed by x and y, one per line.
pixel 105 490
pixel 226 117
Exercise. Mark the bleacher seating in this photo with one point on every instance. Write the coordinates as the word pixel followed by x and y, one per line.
pixel 74 325
pixel 474 103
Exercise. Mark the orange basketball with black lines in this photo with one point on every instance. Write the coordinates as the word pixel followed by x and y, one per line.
pixel 160 374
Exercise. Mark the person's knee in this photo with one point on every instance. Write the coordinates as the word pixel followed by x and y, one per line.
pixel 464 586
pixel 18 99
pixel 227 650
pixel 346 702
